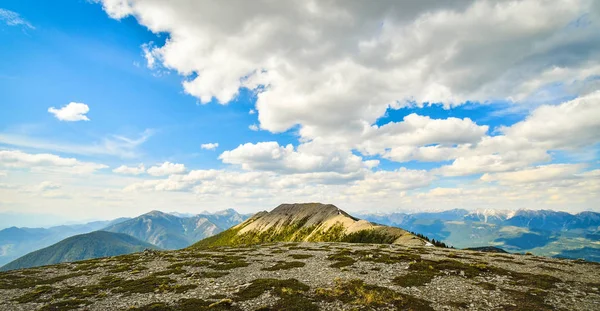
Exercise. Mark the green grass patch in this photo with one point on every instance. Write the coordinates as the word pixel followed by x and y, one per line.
pixel 284 265
pixel 356 292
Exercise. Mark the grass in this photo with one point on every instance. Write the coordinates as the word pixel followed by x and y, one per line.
pixel 278 287
pixel 422 272
pixel 35 295
pixel 285 265
pixel 197 264
pixel 65 305
pixel 191 304
pixel 212 274
pixel 225 262
pixel 341 259
pixel 527 301
pixel 356 292
pixel 300 256
pixel 291 292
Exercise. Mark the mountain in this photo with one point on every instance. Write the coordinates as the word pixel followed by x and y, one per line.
pixel 541 232
pixel 16 242
pixel 313 222
pixel 172 232
pixel 307 276
pixel 84 246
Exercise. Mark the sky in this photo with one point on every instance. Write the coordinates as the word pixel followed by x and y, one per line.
pixel 114 108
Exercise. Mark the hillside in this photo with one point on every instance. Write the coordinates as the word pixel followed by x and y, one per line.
pixel 168 231
pixel 16 242
pixel 85 246
pixel 307 277
pixel 311 222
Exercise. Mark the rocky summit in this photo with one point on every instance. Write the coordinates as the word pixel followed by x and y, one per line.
pixel 307 276
pixel 309 222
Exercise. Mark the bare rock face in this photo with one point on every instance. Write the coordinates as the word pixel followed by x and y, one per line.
pixel 307 276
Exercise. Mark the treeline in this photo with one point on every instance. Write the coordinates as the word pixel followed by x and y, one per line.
pixel 432 241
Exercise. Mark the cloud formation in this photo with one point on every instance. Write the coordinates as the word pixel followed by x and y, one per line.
pixel 209 146
pixel 130 170
pixel 167 168
pixel 334 66
pixel 71 112
pixel 45 161
pixel 11 18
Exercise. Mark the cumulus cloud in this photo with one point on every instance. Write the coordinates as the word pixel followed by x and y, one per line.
pixel 209 146
pixel 253 127
pixel 71 112
pixel 308 157
pixel 336 65
pixel 572 124
pixel 130 170
pixel 167 168
pixel 19 159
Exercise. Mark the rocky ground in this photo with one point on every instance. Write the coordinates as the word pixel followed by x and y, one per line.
pixel 307 276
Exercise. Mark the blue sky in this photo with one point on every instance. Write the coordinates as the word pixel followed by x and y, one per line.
pixel 373 116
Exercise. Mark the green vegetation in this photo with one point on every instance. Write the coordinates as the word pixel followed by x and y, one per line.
pixel 278 287
pixel 65 305
pixel 368 236
pixel 35 295
pixel 285 265
pixel 291 292
pixel 300 256
pixel 212 274
pixel 191 304
pixel 422 272
pixel 356 292
pixel 225 262
pixel 341 259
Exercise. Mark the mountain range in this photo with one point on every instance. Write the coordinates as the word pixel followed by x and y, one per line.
pixel 541 232
pixel 84 246
pixel 157 228
pixel 309 222
pixel 16 242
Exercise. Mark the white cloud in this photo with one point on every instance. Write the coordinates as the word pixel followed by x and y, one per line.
pixel 130 170
pixel 45 161
pixel 167 168
pixel 572 124
pixel 252 111
pixel 309 157
pixel 11 18
pixel 333 66
pixel 209 146
pixel 71 112
pixel 536 174
pixel 253 127
pixel 150 59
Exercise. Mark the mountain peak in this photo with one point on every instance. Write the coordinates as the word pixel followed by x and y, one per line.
pixel 309 222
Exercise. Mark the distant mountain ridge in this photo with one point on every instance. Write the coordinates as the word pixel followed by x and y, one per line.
pixel 85 246
pixel 313 222
pixel 16 242
pixel 172 232
pixel 542 232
